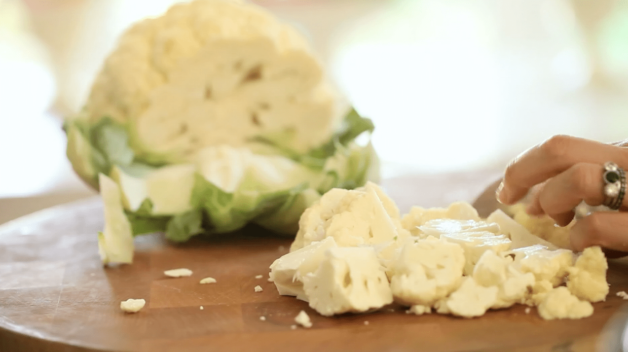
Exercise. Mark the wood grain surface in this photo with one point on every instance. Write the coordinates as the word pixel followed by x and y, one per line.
pixel 56 296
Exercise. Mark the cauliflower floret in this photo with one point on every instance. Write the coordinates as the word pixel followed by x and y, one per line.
pixel 545 264
pixel 518 234
pixel 288 271
pixel 212 72
pixel 470 300
pixel 426 271
pixel 419 216
pixel 561 304
pixel 587 279
pixel 544 227
pixel 474 237
pixel 513 286
pixel 348 280
pixel 353 218
pixel 539 291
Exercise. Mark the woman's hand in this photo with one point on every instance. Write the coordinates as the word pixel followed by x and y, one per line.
pixel 563 172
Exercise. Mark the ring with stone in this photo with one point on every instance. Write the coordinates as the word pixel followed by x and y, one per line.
pixel 614 185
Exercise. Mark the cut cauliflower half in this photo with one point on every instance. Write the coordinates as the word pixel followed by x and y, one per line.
pixel 587 278
pixel 545 264
pixel 427 271
pixel 352 217
pixel 212 72
pixel 469 300
pixel 288 271
pixel 513 285
pixel 561 304
pixel 348 280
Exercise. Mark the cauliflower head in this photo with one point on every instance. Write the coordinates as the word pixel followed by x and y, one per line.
pixel 215 115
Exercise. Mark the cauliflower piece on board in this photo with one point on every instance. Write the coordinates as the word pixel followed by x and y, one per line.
pixel 470 300
pixel 210 72
pixel 419 310
pixel 115 243
pixel 288 271
pixel 348 280
pixel 303 319
pixel 475 237
pixel 513 285
pixel 539 291
pixel 352 217
pixel 419 216
pixel 543 227
pixel 587 278
pixel 132 305
pixel 549 265
pixel 561 304
pixel 426 271
pixel 518 234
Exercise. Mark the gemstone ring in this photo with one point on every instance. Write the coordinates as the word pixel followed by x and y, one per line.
pixel 614 185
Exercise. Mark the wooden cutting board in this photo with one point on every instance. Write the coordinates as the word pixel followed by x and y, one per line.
pixel 56 296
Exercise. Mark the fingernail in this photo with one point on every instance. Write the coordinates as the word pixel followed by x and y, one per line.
pixel 500 193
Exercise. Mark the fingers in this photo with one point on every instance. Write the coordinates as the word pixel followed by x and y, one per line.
pixel 552 157
pixel 605 229
pixel 562 193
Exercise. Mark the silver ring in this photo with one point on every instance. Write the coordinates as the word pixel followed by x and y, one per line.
pixel 614 185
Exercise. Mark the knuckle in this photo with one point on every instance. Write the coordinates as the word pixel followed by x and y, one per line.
pixel 556 146
pixel 581 178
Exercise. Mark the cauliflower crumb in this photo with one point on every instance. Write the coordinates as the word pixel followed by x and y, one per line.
pixel 366 322
pixel 132 305
pixel 528 309
pixel 259 276
pixel 178 272
pixel 201 307
pixel 303 319
pixel 262 318
pixel 258 288
pixel 622 294
pixel 208 280
pixel 293 327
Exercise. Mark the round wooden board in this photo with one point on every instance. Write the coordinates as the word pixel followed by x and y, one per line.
pixel 56 296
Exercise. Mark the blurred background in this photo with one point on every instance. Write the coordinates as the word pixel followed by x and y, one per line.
pixel 452 85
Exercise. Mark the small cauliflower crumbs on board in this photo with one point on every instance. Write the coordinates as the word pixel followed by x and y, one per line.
pixel 178 272
pixel 132 305
pixel 208 280
pixel 258 288
pixel 622 294
pixel 201 307
pixel 293 327
pixel 303 319
pixel 528 310
pixel 262 318
pixel 366 322
pixel 259 276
